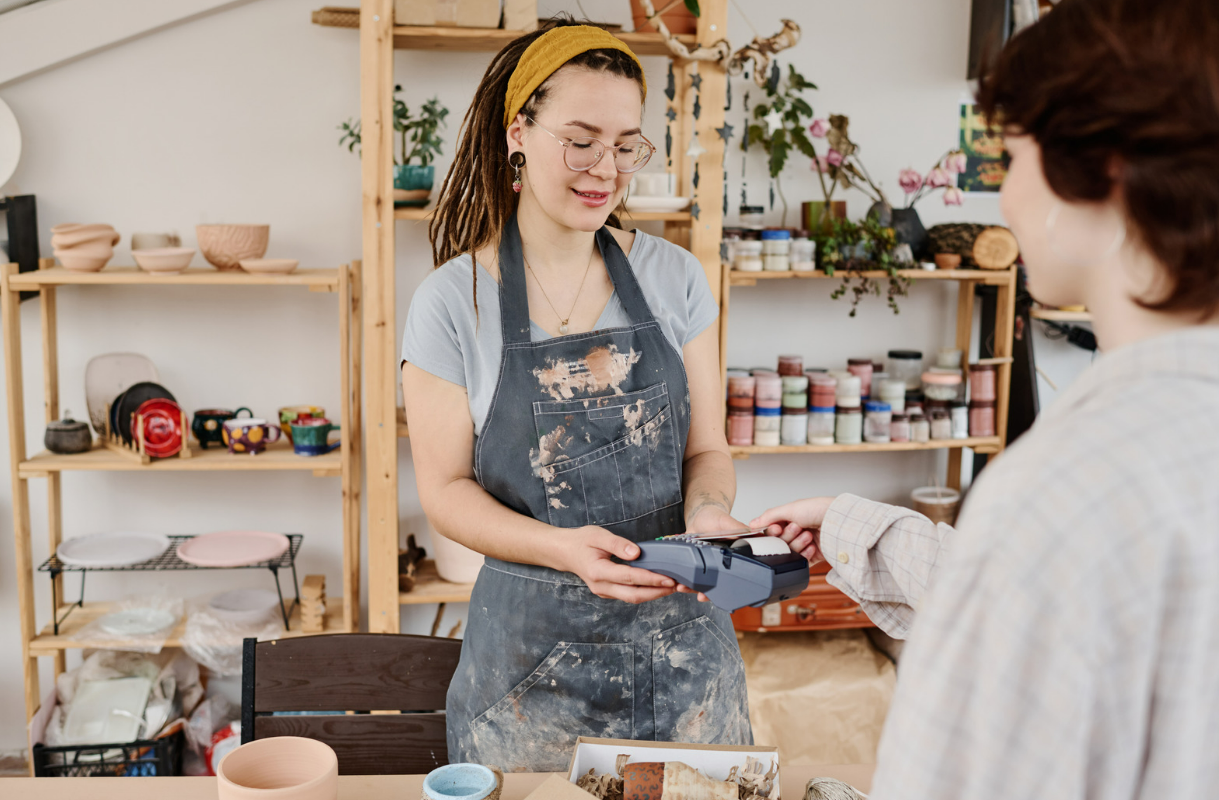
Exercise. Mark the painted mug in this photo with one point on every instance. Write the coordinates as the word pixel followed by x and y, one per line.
pixel 206 424
pixel 310 434
pixel 249 435
pixel 290 414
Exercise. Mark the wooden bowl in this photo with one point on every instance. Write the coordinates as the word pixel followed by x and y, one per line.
pixel 260 266
pixel 947 260
pixel 224 246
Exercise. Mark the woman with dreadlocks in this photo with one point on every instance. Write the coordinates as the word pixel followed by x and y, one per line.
pixel 562 386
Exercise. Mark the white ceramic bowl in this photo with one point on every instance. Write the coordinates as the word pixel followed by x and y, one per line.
pixel 163 260
pixel 244 606
pixel 269 265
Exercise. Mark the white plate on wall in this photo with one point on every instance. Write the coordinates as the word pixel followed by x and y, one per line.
pixel 109 375
pixel 112 549
pixel 660 204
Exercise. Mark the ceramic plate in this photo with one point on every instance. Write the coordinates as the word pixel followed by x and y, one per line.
pixel 662 204
pixel 244 606
pixel 10 143
pixel 107 376
pixel 132 399
pixel 112 549
pixel 232 548
pixel 136 621
pixel 162 427
pixel 268 265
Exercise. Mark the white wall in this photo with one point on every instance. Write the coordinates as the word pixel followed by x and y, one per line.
pixel 233 117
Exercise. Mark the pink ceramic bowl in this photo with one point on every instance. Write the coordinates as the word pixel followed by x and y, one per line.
pixel 163 260
pixel 278 768
pixel 224 246
pixel 71 234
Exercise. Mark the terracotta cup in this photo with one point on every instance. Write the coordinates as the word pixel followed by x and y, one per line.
pixel 279 767
pixel 249 435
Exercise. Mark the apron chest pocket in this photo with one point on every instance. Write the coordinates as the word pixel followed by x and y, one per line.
pixel 609 459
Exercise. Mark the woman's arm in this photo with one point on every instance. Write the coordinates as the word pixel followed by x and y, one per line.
pixel 442 446
pixel 708 479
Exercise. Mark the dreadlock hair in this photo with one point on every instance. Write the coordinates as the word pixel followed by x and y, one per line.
pixel 476 198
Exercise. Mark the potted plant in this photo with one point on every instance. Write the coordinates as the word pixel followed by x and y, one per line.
pixel 679 16
pixel 780 125
pixel 942 176
pixel 858 248
pixel 841 166
pixel 419 141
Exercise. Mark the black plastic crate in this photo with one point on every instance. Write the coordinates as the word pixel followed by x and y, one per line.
pixel 145 758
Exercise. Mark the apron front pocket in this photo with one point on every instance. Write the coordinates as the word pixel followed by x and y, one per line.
pixel 607 460
pixel 698 681
pixel 577 690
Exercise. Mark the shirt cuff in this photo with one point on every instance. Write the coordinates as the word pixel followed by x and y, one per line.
pixel 851 528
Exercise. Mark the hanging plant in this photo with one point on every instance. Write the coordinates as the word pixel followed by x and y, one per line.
pixel 857 248
pixel 780 125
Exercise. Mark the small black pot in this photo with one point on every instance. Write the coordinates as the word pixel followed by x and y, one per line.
pixel 67 436
pixel 909 229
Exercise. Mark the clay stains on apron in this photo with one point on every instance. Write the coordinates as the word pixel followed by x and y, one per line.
pixel 604 367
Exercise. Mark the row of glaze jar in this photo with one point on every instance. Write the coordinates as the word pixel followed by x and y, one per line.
pixel 752 249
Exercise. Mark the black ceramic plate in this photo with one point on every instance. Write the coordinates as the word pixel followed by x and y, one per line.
pixel 114 412
pixel 132 399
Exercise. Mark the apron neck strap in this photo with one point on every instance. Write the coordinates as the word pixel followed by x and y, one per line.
pixel 514 295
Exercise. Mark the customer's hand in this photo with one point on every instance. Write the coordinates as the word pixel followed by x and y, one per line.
pixel 708 520
pixel 589 554
pixel 798 524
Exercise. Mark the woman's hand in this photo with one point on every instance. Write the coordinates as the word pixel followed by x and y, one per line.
pixel 709 519
pixel 798 524
pixel 589 554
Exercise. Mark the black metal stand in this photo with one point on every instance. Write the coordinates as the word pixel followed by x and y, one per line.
pixel 169 561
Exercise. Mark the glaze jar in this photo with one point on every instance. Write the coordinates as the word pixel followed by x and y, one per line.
pixel 766 427
pixel 848 425
pixel 776 250
pixel 747 256
pixel 983 383
pixel 899 428
pixel 877 422
pixel 941 386
pixel 893 392
pixel 960 420
pixel 752 217
pixel 920 428
pixel 794 426
pixel 907 366
pixel 941 424
pixel 982 418
pixel 803 252
pixel 740 428
pixel 862 368
pixel 790 366
pixel 821 425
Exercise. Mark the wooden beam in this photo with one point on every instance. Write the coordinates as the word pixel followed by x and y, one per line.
pixel 50 394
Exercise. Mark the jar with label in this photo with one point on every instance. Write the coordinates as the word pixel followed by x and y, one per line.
pixel 794 429
pixel 876 423
pixel 823 391
pixel 821 425
pixel 899 428
pixel 849 391
pixel 776 250
pixel 791 365
pixel 941 386
pixel 748 256
pixel 982 418
pixel 920 428
pixel 862 368
pixel 752 217
pixel 906 365
pixel 728 240
pixel 914 403
pixel 960 420
pixel 740 427
pixel 794 384
pixel 768 390
pixel 893 392
pixel 941 424
pixel 982 383
pixel 803 252
pixel 848 425
pixel 766 426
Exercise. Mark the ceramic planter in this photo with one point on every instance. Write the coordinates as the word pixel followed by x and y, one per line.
pixel 413 185
pixel 279 767
pixel 224 246
pixel 909 229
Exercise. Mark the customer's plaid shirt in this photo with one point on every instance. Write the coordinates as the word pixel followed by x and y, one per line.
pixel 1066 641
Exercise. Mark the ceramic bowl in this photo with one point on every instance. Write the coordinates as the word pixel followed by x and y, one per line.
pixel 73 235
pixel 947 260
pixel 279 767
pixel 88 261
pixel 163 260
pixel 269 265
pixel 224 246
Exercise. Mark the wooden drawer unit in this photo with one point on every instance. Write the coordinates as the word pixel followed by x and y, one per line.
pixel 820 607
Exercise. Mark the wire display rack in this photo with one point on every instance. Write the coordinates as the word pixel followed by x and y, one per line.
pixel 168 561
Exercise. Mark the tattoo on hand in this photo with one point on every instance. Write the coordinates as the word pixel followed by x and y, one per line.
pixel 703 500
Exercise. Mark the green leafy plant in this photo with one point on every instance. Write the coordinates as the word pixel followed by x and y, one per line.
pixel 857 248
pixel 419 135
pixel 780 125
pixel 351 136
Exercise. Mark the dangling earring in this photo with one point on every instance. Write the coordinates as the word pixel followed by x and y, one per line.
pixel 516 164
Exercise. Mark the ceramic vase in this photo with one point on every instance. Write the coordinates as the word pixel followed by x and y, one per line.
pixel 909 229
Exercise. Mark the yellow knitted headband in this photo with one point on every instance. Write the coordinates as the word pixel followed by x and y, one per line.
pixel 550 51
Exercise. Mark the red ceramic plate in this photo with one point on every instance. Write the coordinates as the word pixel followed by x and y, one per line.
pixel 162 427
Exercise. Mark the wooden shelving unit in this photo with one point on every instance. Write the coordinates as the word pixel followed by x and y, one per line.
pixel 342 611
pixel 987 444
pixel 431 588
pixel 1056 315
pixel 379 37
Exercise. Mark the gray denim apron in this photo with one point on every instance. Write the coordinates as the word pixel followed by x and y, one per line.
pixel 587 429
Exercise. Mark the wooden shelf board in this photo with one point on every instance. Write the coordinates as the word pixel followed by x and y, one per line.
pixel 989 444
pixel 419 214
pixel 431 588
pixel 414 213
pixel 1055 315
pixel 47 643
pixel 278 456
pixel 994 277
pixel 484 40
pixel 326 279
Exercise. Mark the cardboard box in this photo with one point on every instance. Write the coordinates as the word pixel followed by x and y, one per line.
pixel 521 15
pixel 713 760
pixel 448 13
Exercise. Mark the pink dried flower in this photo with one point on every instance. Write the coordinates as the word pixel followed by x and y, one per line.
pixel 820 164
pixel 910 181
pixel 834 158
pixel 939 178
pixel 819 128
pixel 953 196
pixel 956 163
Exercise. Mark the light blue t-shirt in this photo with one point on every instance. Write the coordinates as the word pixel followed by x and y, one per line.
pixel 442 337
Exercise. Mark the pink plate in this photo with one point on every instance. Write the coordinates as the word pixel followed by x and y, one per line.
pixel 232 548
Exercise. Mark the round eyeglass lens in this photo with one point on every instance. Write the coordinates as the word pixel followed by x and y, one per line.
pixel 583 154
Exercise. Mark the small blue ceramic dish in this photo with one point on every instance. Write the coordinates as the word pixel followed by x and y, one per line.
pixel 459 782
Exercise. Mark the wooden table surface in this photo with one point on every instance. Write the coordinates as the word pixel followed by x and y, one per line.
pixel 351 787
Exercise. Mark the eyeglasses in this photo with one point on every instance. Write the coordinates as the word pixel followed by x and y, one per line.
pixel 584 153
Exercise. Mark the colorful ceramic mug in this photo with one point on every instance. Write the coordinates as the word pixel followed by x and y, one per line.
pixel 249 435
pixel 290 414
pixel 310 434
pixel 207 422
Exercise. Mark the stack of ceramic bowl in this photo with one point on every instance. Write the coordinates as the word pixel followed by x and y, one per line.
pixel 84 248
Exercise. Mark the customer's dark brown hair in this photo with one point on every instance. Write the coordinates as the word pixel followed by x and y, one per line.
pixel 476 198
pixel 1125 94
